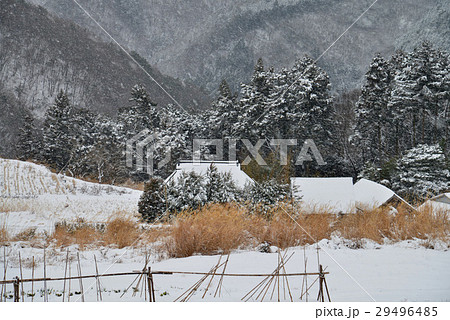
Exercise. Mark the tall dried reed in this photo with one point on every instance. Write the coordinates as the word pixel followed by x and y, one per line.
pixel 121 232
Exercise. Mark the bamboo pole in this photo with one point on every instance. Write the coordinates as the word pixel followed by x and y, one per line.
pixel 70 273
pixel 140 277
pixel 295 274
pixel 5 267
pixel 326 287
pixel 65 275
pixel 219 285
pixel 99 292
pixel 32 280
pixel 189 292
pixel 45 280
pixel 212 277
pixel 287 282
pixel 152 283
pixel 21 277
pixel 16 289
pixel 80 277
pixel 151 287
pixel 266 286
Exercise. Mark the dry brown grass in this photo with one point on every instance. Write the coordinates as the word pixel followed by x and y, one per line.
pixel 286 227
pixel 121 232
pixel 423 224
pixel 211 229
pixel 371 224
pixel 28 234
pixel 4 237
pixel 80 234
pixel 378 224
pixel 219 228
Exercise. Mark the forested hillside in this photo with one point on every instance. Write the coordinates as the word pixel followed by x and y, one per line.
pixel 209 40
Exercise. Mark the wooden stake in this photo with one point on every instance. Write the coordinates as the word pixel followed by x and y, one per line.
pixel 326 287
pixel 287 282
pixel 45 280
pixel 65 275
pixel 219 285
pixel 99 288
pixel 16 290
pixel 151 287
pixel 70 274
pixel 79 274
pixel 5 265
pixel 21 277
pixel 212 277
pixel 32 280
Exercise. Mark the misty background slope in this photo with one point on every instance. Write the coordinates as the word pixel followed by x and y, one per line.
pixel 208 40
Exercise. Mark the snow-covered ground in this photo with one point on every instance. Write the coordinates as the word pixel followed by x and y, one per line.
pixel 31 196
pixel 405 271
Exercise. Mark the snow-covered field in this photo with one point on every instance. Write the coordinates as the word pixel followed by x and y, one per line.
pixel 400 272
pixel 31 196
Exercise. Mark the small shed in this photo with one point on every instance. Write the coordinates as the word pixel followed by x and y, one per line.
pixel 239 177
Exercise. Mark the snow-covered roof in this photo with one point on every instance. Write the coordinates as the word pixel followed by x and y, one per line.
pixel 239 177
pixel 443 198
pixel 370 193
pixel 332 194
pixel 436 205
pixel 340 194
pixel 439 202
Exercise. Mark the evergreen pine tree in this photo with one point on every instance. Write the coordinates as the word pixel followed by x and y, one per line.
pixel 372 116
pixel 27 148
pixel 57 133
pixel 423 171
pixel 152 204
pixel 223 114
pixel 220 187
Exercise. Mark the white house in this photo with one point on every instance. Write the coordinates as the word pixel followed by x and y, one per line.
pixel 440 202
pixel 340 195
pixel 239 177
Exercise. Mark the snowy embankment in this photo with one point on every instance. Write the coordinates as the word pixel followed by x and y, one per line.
pixel 31 196
pixel 405 271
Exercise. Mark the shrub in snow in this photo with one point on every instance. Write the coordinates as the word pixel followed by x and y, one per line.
pixel 423 171
pixel 267 192
pixel 151 204
pixel 220 187
pixel 192 191
pixel 188 192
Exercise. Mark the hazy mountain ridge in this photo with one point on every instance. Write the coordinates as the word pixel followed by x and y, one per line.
pixel 41 54
pixel 207 40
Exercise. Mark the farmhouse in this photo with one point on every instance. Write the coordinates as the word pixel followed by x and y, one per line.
pixel 440 202
pixel 239 177
pixel 340 195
